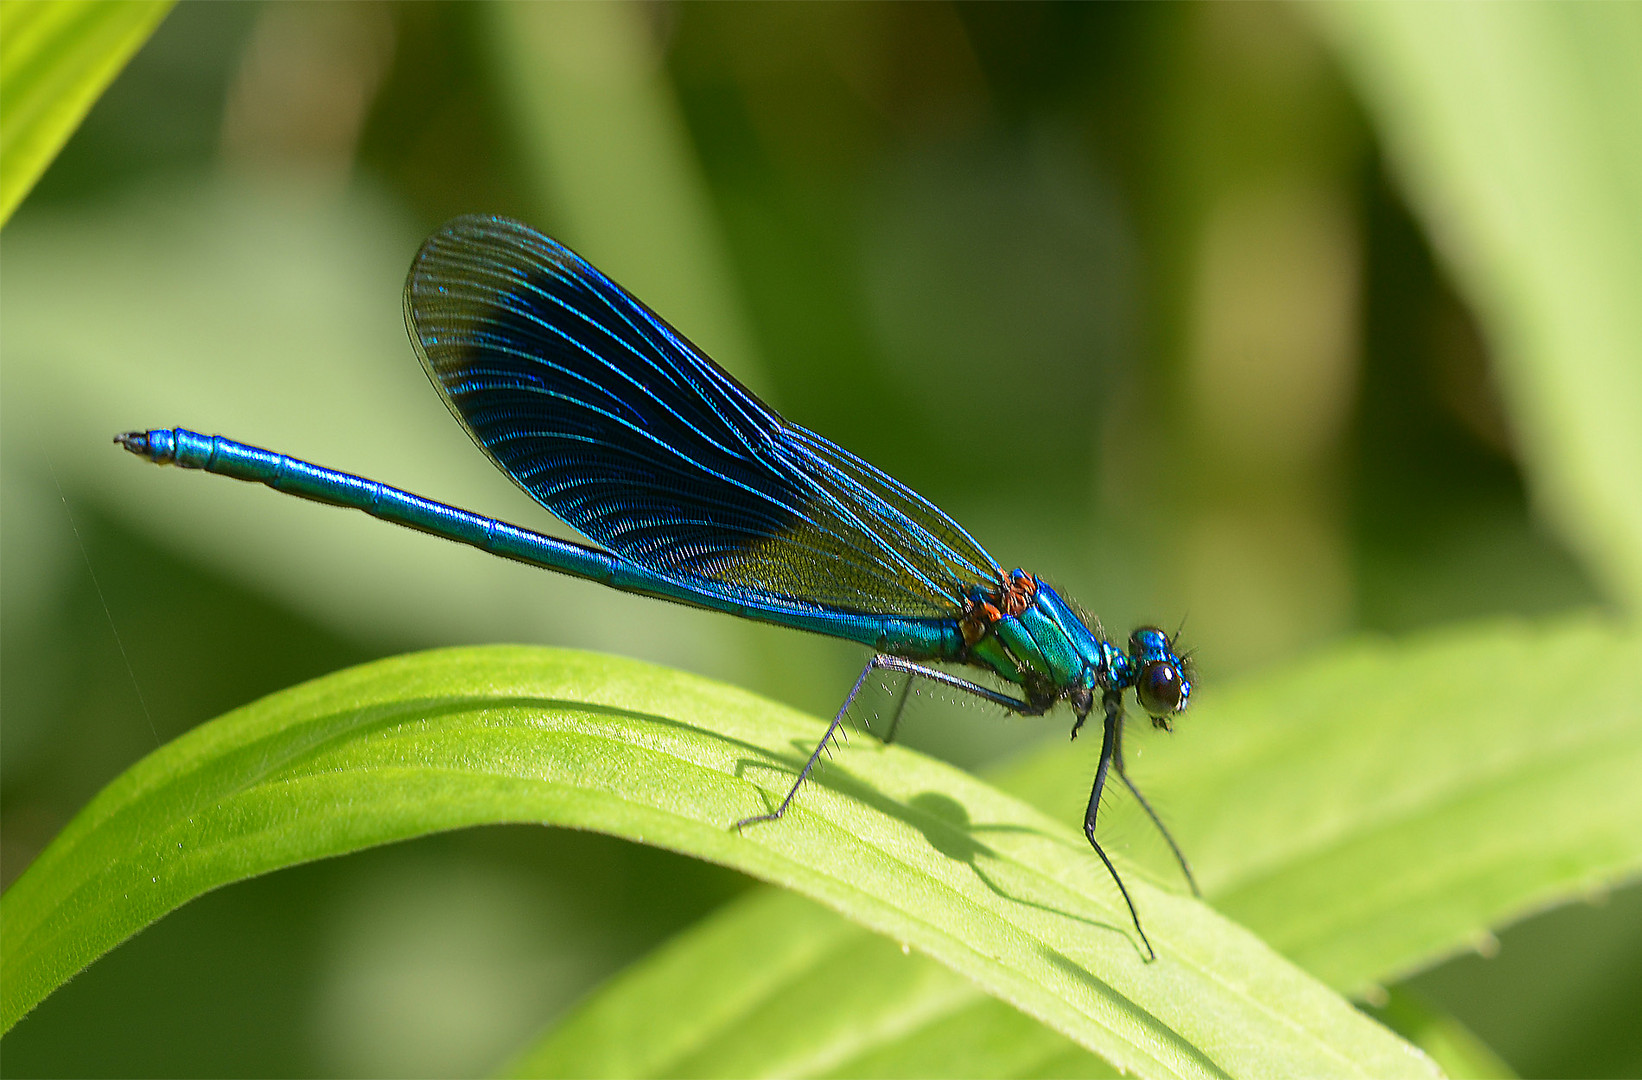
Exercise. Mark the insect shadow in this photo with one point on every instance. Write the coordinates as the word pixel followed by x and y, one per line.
pixel 946 827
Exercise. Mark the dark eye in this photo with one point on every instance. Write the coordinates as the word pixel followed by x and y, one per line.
pixel 1158 687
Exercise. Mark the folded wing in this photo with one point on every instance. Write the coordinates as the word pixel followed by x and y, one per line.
pixel 611 419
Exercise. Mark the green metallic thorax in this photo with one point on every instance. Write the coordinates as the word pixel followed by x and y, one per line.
pixel 1048 650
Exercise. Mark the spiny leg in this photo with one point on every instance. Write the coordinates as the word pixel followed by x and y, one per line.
pixel 815 755
pixel 935 675
pixel 900 706
pixel 1114 722
pixel 913 670
pixel 1123 774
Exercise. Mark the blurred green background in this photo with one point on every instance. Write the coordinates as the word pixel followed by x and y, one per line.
pixel 1130 290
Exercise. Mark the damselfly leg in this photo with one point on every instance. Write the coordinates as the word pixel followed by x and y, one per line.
pixel 1113 703
pixel 1123 774
pixel 890 663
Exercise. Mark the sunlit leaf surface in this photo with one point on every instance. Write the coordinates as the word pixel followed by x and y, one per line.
pixel 1369 813
pixel 1385 805
pixel 914 849
pixel 774 985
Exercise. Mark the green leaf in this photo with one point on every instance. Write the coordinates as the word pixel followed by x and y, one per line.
pixel 1514 128
pixel 1384 806
pixel 56 57
pixel 909 847
pixel 1370 812
pixel 774 985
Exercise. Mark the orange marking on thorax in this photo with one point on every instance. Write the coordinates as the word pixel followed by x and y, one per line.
pixel 1011 598
pixel 1017 593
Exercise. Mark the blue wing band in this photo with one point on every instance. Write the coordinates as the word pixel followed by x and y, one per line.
pixel 611 419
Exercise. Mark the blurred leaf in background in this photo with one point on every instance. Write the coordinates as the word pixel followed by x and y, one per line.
pixel 1516 135
pixel 55 59
pixel 1160 301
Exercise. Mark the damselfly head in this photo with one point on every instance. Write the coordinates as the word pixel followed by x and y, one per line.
pixel 1162 681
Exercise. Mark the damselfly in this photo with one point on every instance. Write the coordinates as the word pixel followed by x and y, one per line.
pixel 695 491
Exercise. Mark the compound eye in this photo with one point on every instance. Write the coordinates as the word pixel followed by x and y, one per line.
pixel 1147 639
pixel 1159 687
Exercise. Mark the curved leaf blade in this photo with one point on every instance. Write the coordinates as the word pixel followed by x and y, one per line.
pixel 1308 798
pixel 773 985
pixel 1386 805
pixel 56 58
pixel 904 845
